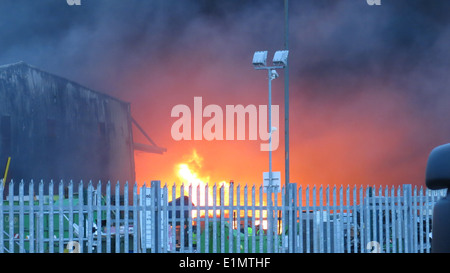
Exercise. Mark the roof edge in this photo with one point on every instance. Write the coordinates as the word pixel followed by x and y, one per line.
pixel 22 63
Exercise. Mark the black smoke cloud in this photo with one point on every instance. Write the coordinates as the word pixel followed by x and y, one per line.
pixel 330 40
pixel 347 59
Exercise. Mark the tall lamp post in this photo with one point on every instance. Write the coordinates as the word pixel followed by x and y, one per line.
pixel 288 186
pixel 260 63
pixel 286 98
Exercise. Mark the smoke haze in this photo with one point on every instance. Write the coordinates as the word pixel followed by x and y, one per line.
pixel 369 85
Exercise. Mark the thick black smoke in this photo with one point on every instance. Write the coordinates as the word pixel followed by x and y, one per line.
pixel 388 64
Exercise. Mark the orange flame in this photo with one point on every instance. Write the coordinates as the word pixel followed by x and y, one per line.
pixel 189 175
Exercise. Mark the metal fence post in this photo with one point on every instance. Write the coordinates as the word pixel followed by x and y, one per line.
pixel 190 229
pixel 214 231
pixel 230 218
pixel 81 216
pixel 11 216
pixel 394 220
pixel 308 222
pixel 299 237
pixel 182 219
pixel 1 218
pixel 117 217
pixel 315 226
pixel 421 227
pixel 274 230
pixel 99 217
pixel 380 217
pixel 387 218
pixel 246 237
pixel 290 220
pixel 222 220
pixel 198 225
pixel 41 217
pixel 400 222
pixel 165 221
pixel 108 217
pixel 90 218
pixel 136 222
pixel 21 218
pixel 415 218
pixel 261 220
pixel 284 221
pixel 174 217
pixel 253 220
pixel 407 191
pixel 31 216
pixel 50 218
pixel 341 220
pixel 156 202
pixel 70 190
pixel 126 220
pixel 366 202
pixel 238 218
pixel 143 217
pixel 60 217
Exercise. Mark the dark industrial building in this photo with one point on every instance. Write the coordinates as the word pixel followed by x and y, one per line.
pixel 53 128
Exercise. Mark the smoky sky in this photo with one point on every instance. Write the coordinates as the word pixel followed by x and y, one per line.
pixel 330 40
pixel 347 59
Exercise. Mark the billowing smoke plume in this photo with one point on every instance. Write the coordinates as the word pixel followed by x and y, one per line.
pixel 369 85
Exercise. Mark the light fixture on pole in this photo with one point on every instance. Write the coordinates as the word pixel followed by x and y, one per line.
pixel 279 61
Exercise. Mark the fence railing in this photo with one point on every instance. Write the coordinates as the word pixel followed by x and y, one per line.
pixel 100 217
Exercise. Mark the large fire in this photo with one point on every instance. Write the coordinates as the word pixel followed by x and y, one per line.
pixel 188 173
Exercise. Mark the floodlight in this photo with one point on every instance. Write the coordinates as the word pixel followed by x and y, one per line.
pixel 280 58
pixel 259 59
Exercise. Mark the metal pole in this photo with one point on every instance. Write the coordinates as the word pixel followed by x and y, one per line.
pixel 286 114
pixel 156 186
pixel 286 94
pixel 269 190
pixel 270 126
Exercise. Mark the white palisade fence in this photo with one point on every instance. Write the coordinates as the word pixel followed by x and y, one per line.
pixel 101 217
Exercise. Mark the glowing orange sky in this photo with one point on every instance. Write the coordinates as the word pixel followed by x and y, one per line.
pixel 351 140
pixel 368 92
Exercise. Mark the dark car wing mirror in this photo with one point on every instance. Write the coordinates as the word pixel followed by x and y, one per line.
pixel 438 168
pixel 438 177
